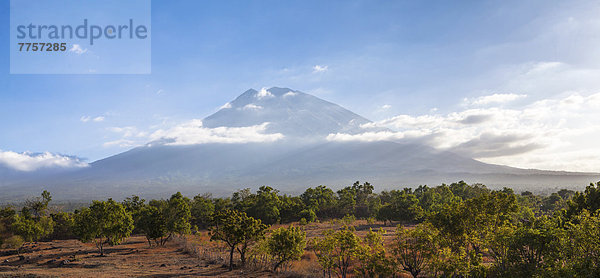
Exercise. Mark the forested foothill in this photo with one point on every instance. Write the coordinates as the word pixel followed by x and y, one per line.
pixel 456 230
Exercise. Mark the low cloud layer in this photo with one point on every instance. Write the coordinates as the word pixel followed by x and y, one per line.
pixel 190 133
pixel 28 161
pixel 193 132
pixel 555 133
pixel 494 99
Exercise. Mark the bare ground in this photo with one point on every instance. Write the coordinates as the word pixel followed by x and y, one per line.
pixel 192 256
pixel 133 258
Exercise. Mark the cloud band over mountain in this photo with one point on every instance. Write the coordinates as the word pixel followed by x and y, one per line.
pixel 28 161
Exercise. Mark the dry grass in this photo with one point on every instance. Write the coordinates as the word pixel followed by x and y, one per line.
pixel 133 258
pixel 201 247
pixel 192 256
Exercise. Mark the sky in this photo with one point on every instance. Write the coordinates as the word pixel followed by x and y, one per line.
pixel 509 82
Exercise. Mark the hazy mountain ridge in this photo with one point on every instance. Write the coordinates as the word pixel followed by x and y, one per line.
pixel 302 159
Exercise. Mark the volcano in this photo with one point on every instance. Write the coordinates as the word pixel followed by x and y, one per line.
pixel 296 156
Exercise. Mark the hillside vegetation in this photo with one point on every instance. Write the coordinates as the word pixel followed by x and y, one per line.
pixel 456 230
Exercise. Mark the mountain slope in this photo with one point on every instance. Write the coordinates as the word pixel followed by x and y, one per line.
pixel 289 112
pixel 302 159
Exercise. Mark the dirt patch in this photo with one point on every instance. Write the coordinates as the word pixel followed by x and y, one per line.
pixel 191 256
pixel 133 258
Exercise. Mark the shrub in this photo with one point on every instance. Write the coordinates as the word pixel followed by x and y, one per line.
pixel 286 244
pixel 104 222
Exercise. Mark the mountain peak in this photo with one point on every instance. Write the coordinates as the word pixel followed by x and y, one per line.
pixel 253 95
pixel 290 112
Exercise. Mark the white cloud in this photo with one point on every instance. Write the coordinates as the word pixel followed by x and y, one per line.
pixel 375 136
pixel 252 106
pixel 542 79
pixel 319 68
pixel 77 49
pixel 190 133
pixel 289 94
pixel 130 136
pixel 123 143
pixel 226 106
pixel 128 131
pixel 386 107
pixel 556 133
pixel 85 119
pixel 494 99
pixel 28 161
pixel 193 132
pixel 264 93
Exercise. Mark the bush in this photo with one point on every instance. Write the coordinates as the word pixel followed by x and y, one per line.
pixel 104 222
pixel 309 215
pixel 286 244
pixel 348 219
pixel 63 226
pixel 336 250
pixel 13 242
pixel 303 221
pixel 238 231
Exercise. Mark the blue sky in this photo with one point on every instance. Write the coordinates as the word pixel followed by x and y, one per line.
pixel 414 66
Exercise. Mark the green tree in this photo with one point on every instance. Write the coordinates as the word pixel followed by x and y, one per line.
pixel 552 203
pixel 358 200
pixel 499 246
pixel 177 215
pixel 588 200
pixel 466 191
pixel 134 205
pixel 346 201
pixel 321 200
pixel 308 215
pixel 104 222
pixel 367 203
pixel 581 248
pixel 266 205
pixel 38 206
pixel 402 206
pixel 243 200
pixel 483 215
pixel 291 209
pixel 63 225
pixel 325 251
pixel 286 244
pixel 163 219
pixel 372 257
pixel 222 203
pixel 153 224
pixel 7 218
pixel 468 224
pixel 202 210
pixel 414 248
pixel 431 199
pixel 32 229
pixel 32 224
pixel 238 231
pixel 337 250
pixel 533 247
pixel 449 262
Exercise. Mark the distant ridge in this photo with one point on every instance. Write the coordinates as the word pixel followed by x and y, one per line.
pixel 303 158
